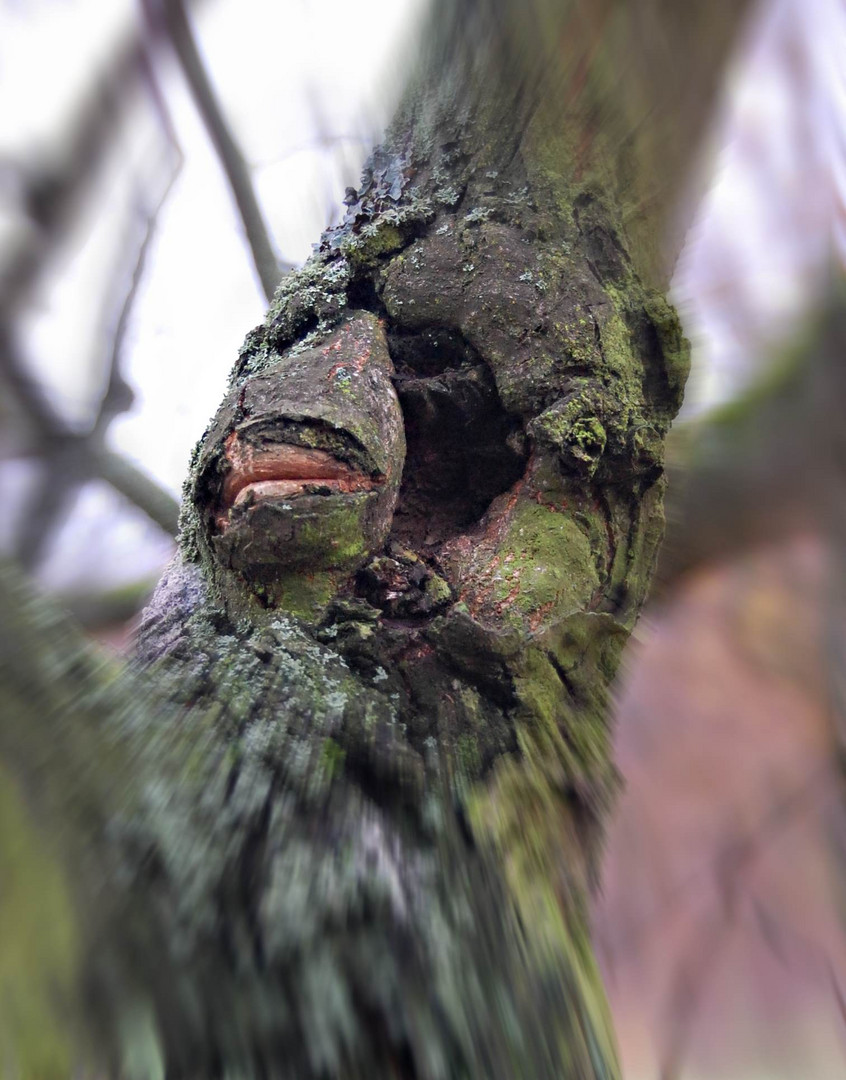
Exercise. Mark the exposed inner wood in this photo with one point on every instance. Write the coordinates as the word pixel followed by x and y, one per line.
pixel 283 471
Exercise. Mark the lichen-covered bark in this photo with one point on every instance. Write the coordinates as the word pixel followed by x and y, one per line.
pixel 424 748
pixel 414 541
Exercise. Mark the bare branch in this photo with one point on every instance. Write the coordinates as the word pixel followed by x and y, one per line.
pixel 159 505
pixel 46 504
pixel 169 17
pixel 69 459
pixel 118 395
pixel 51 195
pixel 38 410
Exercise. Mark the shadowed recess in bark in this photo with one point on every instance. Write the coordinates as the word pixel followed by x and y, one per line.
pixel 462 448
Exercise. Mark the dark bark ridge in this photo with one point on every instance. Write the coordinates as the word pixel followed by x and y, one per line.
pixel 393 650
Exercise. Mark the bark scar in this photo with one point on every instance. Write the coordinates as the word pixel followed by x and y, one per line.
pixel 284 471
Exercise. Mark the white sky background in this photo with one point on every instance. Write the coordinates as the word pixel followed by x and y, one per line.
pixel 286 69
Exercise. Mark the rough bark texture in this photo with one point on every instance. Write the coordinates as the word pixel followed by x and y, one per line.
pixel 414 541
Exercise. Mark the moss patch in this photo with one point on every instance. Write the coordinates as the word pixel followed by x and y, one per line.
pixel 38 949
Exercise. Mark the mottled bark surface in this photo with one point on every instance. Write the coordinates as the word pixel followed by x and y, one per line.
pixel 420 639
pixel 414 541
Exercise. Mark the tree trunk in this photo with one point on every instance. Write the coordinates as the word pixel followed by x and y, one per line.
pixel 345 822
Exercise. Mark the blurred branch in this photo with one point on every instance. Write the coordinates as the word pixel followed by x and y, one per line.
pixel 68 458
pixel 159 505
pixel 37 408
pixel 735 855
pixel 52 197
pixel 95 610
pixel 50 441
pixel 118 395
pixel 51 194
pixel 765 466
pixel 46 504
pixel 169 17
pixel 734 861
pixel 66 464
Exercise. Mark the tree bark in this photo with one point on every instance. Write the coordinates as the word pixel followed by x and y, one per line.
pixel 354 790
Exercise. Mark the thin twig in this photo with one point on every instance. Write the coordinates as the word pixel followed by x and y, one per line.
pixel 62 474
pixel 142 491
pixel 118 396
pixel 52 195
pixel 736 851
pixel 69 459
pixel 169 16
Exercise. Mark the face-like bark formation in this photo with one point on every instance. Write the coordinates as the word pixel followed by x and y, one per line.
pixel 503 337
pixel 300 470
pixel 415 539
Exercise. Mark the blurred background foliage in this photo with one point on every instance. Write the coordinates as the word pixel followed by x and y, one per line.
pixel 159 169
